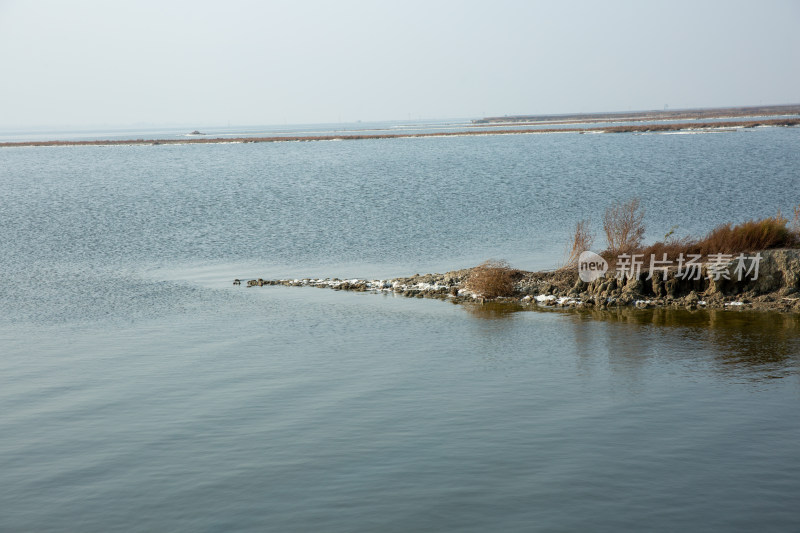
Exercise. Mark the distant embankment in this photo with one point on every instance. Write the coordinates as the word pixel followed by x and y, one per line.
pixel 677 114
pixel 641 128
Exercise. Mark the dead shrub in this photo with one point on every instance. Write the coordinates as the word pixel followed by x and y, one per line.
pixel 492 279
pixel 623 224
pixel 750 236
pixel 582 241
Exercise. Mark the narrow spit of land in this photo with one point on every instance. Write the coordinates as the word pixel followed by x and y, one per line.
pixel 633 128
pixel 776 288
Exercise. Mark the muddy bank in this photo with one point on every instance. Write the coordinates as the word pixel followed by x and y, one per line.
pixel 776 288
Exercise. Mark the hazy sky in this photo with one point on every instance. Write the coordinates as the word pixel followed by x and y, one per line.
pixel 210 63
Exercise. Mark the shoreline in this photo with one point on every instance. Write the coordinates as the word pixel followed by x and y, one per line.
pixel 777 288
pixel 629 116
pixel 638 128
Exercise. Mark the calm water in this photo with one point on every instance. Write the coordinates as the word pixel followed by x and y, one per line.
pixel 141 391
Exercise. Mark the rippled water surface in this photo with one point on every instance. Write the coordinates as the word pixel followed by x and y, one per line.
pixel 141 391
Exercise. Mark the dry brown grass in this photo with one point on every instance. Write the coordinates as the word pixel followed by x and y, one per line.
pixel 492 279
pixel 749 236
pixel 623 224
pixel 673 248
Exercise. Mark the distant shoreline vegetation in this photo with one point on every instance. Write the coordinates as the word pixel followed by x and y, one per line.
pixel 629 116
pixel 630 128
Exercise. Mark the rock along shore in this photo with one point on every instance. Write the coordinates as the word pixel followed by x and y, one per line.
pixel 777 288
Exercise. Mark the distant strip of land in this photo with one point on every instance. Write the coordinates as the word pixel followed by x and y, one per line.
pixel 629 128
pixel 630 116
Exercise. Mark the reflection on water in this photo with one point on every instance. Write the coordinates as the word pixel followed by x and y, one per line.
pixel 762 345
pixel 752 339
pixel 494 310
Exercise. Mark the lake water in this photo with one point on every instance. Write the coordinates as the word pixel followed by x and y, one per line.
pixel 141 391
